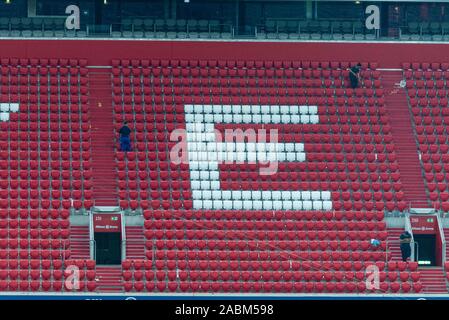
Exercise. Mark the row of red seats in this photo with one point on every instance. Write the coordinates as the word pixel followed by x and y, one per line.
pixel 391 266
pixel 179 189
pixel 255 92
pixel 257 215
pixel 57 221
pixel 246 169
pixel 60 111
pixel 34 264
pixel 426 66
pixel 55 62
pixel 66 123
pixel 42 204
pixel 427 83
pixel 277 276
pixel 33 243
pixel 41 181
pixel 270 287
pixel 264 225
pixel 353 108
pixel 252 71
pixel 31 87
pixel 429 94
pixel 12 215
pixel 240 64
pixel 137 85
pixel 297 172
pixel 440 186
pixel 251 86
pixel 46 285
pixel 433 102
pixel 34 118
pixel 200 233
pixel 272 100
pixel 188 205
pixel 34 254
pixel 44 72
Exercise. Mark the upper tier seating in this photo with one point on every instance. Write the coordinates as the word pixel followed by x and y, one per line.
pixel 314 29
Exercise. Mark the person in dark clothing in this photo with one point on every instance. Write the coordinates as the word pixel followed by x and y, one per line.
pixel 354 75
pixel 405 240
pixel 125 143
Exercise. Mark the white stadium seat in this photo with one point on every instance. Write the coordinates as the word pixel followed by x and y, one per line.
pixel 226 194
pixel 307 205
pixel 238 204
pixel 277 205
pixel 227 204
pixel 327 205
pixel 287 205
pixel 297 205
pixel 317 205
pixel 247 205
pixel 217 204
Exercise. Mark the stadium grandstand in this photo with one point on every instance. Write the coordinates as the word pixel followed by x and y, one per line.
pixel 256 168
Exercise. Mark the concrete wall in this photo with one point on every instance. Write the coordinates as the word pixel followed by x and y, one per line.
pixel 102 52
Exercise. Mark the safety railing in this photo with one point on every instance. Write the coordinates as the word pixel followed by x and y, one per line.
pixel 114 202
pixel 123 249
pixel 93 249
pixel 440 220
pixel 418 205
pixel 415 250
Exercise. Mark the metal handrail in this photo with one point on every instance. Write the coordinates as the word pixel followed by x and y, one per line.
pixel 93 245
pixel 443 238
pixel 102 199
pixel 417 250
pixel 123 249
pixel 408 227
pixel 64 247
pixel 387 246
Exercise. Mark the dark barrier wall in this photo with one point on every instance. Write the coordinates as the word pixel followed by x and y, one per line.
pixel 101 52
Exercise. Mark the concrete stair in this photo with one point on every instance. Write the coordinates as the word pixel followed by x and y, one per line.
pixel 446 237
pixel 405 144
pixel 109 279
pixel 102 138
pixel 433 280
pixel 135 242
pixel 79 242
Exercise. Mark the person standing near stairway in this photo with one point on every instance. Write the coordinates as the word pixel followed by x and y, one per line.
pixel 405 240
pixel 125 143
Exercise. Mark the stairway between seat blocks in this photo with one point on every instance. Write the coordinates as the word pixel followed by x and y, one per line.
pixel 404 141
pixel 103 137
